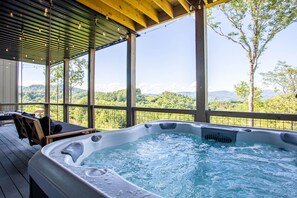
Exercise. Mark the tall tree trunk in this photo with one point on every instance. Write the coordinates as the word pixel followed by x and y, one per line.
pixel 251 93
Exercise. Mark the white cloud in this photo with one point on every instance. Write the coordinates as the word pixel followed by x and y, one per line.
pixel 150 88
pixel 173 87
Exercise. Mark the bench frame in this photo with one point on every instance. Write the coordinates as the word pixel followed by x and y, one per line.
pixel 29 127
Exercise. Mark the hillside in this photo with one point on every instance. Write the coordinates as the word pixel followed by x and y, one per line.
pixel 35 93
pixel 228 95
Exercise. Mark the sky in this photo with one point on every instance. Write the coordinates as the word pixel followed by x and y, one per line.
pixel 165 60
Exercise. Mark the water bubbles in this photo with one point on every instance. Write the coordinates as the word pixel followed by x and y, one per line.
pixel 181 165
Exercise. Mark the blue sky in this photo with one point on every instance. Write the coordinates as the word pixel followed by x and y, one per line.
pixel 166 61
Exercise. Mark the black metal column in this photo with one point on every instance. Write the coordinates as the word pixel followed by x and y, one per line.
pixel 91 88
pixel 66 90
pixel 201 68
pixel 131 79
pixel 47 90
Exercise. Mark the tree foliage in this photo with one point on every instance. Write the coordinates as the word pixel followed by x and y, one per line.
pixel 113 119
pixel 283 78
pixel 255 23
pixel 242 91
pixel 77 69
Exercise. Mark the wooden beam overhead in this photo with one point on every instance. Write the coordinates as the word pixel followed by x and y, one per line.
pixel 127 10
pixel 102 8
pixel 205 2
pixel 185 5
pixel 166 6
pixel 216 3
pixel 146 8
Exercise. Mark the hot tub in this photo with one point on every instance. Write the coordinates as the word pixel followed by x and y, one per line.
pixel 58 170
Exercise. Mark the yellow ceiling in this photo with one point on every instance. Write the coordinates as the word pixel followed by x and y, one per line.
pixel 141 14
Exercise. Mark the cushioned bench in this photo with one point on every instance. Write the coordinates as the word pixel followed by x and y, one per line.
pixel 38 130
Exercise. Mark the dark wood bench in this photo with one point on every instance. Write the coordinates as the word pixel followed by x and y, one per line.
pixel 37 133
pixel 19 125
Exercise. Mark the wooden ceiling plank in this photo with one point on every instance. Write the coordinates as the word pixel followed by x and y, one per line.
pixel 102 8
pixel 185 5
pixel 146 8
pixel 127 10
pixel 166 6
pixel 179 11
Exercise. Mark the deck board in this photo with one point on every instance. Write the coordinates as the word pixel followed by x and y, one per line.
pixel 15 144
pixel 13 158
pixel 14 154
pixel 7 186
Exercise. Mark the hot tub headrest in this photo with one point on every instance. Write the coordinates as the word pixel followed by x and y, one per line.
pixel 290 138
pixel 168 125
pixel 74 149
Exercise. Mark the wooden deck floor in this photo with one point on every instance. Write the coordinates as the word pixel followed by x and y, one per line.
pixel 14 157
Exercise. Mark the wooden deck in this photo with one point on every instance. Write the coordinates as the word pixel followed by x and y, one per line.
pixel 14 157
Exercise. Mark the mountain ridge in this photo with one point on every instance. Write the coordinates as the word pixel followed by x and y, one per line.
pixel 221 95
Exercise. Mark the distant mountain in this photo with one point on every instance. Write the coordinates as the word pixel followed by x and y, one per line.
pixel 187 93
pixel 228 95
pixel 42 87
pixel 267 93
pixel 218 95
pixel 222 96
pixel 36 92
pixel 150 94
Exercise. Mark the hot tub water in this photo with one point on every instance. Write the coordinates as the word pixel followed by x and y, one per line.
pixel 182 165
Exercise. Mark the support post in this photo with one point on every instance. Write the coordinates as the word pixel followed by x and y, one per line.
pixel 201 65
pixel 66 90
pixel 91 88
pixel 48 67
pixel 131 79
pixel 17 86
pixel 47 90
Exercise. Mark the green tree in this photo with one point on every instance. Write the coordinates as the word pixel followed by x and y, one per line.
pixel 242 91
pixel 56 76
pixel 77 69
pixel 255 23
pixel 283 78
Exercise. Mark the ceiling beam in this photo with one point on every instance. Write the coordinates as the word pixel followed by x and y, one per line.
pixel 102 8
pixel 127 10
pixel 205 2
pixel 179 11
pixel 216 3
pixel 146 8
pixel 185 5
pixel 165 6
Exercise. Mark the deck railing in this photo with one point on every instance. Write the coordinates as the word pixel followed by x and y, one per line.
pixel 142 115
pixel 37 108
pixel 114 117
pixel 260 120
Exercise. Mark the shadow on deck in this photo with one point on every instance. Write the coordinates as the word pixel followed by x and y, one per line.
pixel 14 154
